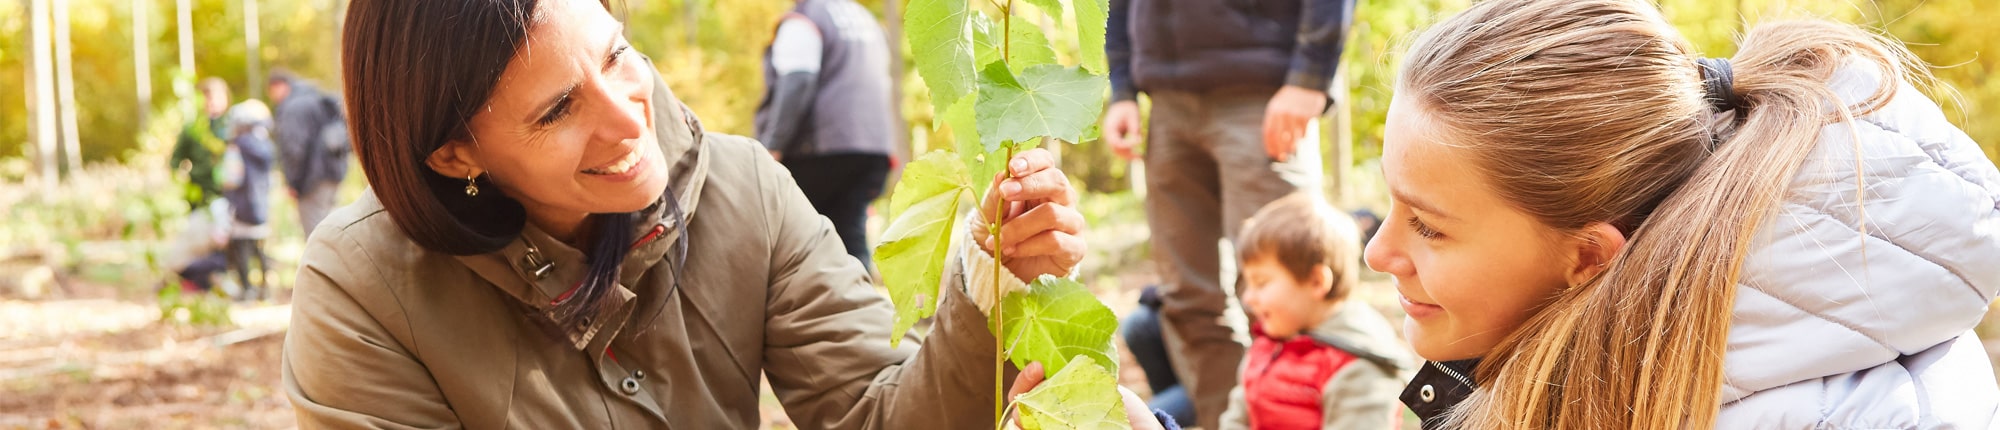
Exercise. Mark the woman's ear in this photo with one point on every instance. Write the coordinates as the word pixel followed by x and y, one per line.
pixel 1595 246
pixel 454 159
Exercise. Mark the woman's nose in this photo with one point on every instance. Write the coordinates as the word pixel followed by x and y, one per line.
pixel 621 116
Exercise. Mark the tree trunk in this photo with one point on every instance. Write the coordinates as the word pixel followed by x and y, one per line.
pixel 1343 138
pixel 253 57
pixel 184 24
pixel 142 60
pixel 42 102
pixel 339 34
pixel 691 21
pixel 72 147
pixel 892 17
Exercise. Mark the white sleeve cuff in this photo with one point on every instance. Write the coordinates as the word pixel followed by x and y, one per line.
pixel 978 267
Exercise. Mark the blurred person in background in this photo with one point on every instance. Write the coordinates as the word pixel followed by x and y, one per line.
pixel 199 143
pixel 247 178
pixel 827 113
pixel 311 133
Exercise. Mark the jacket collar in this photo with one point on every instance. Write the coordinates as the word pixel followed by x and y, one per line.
pixel 538 270
pixel 1438 387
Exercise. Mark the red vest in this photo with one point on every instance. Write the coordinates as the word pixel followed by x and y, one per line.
pixel 1282 381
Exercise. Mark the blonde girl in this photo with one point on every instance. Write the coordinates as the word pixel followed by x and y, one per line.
pixel 1594 226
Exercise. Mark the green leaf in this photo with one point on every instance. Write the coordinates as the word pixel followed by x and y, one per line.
pixel 1084 396
pixel 963 127
pixel 1091 18
pixel 911 257
pixel 1055 321
pixel 980 163
pixel 1044 101
pixel 1052 8
pixel 940 35
pixel 985 40
pixel 1029 47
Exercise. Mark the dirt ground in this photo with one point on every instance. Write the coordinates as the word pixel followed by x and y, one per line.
pixel 92 360
pixel 76 364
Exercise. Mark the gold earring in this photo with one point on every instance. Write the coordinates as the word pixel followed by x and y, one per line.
pixel 471 187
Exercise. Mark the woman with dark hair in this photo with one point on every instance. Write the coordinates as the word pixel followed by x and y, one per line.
pixel 551 241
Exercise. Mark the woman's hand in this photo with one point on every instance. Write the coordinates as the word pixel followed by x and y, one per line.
pixel 1042 233
pixel 1135 410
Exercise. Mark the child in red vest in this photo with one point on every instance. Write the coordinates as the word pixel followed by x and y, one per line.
pixel 1319 360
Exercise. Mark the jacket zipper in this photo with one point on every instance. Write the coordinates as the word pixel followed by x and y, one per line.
pixel 1452 373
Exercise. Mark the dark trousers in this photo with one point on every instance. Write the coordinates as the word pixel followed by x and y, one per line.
pixel 840 187
pixel 1149 347
pixel 201 272
pixel 1210 172
pixel 241 254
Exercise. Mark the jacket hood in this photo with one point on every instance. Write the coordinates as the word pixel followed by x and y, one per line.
pixel 1839 281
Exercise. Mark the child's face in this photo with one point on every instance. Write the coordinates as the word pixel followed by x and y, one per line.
pixel 1469 267
pixel 1284 304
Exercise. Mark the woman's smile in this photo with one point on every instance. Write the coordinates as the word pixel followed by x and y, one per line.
pixel 621 168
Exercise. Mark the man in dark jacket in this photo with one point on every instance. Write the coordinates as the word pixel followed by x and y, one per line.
pixel 827 113
pixel 1235 86
pixel 311 133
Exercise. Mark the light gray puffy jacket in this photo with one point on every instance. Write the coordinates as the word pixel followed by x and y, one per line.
pixel 1836 328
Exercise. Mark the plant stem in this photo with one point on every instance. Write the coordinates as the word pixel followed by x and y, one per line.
pixel 999 307
pixel 999 219
pixel 1006 30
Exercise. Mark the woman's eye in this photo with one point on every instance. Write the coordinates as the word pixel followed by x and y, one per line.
pixel 616 55
pixel 556 113
pixel 1424 230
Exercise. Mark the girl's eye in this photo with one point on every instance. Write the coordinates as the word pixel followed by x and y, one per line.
pixel 1424 230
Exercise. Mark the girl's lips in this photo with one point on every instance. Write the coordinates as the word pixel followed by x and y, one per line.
pixel 1418 310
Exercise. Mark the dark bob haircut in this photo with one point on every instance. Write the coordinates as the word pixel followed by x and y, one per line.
pixel 416 72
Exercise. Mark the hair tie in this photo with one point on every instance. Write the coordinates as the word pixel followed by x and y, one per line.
pixel 1718 82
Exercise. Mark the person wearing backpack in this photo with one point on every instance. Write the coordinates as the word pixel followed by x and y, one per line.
pixel 311 133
